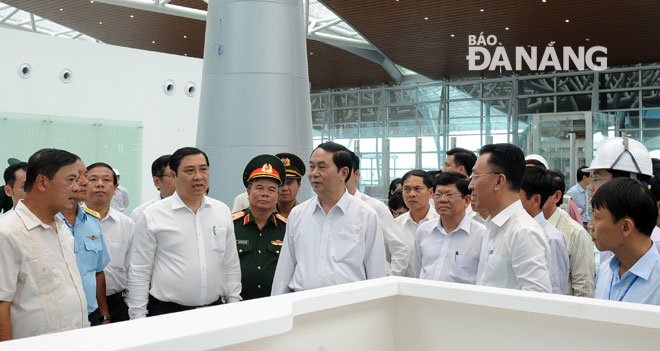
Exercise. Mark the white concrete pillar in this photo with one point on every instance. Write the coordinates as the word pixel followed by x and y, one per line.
pixel 255 88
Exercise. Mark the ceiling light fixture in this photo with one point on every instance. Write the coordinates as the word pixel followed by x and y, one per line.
pixel 91 1
pixel 185 54
pixel 506 28
pixel 426 18
pixel 61 10
pixel 544 0
pixel 153 42
pixel 311 53
pixel 185 37
pixel 132 16
pixel 451 35
pixel 587 39
pixel 567 20
pixel 100 22
pixel 482 10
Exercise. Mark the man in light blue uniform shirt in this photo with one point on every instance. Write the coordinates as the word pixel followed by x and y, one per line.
pixel 579 193
pixel 91 252
pixel 625 213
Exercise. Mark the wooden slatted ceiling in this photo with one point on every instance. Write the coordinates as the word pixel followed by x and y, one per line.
pixel 329 67
pixel 627 28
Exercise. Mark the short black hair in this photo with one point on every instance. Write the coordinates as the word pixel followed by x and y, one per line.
pixel 175 159
pixel 449 178
pixel 395 201
pixel 581 173
pixel 426 177
pixel 393 185
pixel 341 156
pixel 537 180
pixel 159 165
pixel 47 162
pixel 506 159
pixel 558 183
pixel 10 172
pixel 535 163
pixel 103 164
pixel 656 166
pixel 434 173
pixel 463 157
pixel 626 197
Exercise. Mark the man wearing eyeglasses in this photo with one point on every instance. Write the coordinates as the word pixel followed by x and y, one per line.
pixel 417 191
pixel 160 171
pixel 448 248
pixel 514 252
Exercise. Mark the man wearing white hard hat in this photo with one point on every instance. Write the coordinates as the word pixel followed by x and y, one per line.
pixel 120 199
pixel 619 157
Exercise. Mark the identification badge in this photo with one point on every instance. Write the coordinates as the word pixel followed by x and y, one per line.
pixel 242 242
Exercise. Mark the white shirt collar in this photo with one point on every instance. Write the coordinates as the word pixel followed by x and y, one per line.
pixel 342 204
pixel 30 219
pixel 505 214
pixel 178 203
pixel 464 225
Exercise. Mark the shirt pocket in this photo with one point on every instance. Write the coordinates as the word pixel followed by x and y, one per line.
pixel 117 255
pixel 348 248
pixel 45 277
pixel 464 269
pixel 219 239
pixel 497 270
pixel 243 249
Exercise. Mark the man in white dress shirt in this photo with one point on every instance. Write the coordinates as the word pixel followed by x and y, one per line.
pixel 513 254
pixel 163 181
pixel 332 238
pixel 397 245
pixel 535 191
pixel 448 248
pixel 184 252
pixel 117 231
pixel 41 289
pixel 417 191
pixel 15 182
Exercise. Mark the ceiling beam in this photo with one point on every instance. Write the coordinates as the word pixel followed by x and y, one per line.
pixel 162 7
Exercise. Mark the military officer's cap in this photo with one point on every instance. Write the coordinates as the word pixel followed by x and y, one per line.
pixel 295 167
pixel 12 161
pixel 264 166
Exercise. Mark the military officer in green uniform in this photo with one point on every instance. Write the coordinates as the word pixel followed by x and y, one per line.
pixel 295 169
pixel 259 230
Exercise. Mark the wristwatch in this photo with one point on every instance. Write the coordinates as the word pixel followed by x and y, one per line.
pixel 104 318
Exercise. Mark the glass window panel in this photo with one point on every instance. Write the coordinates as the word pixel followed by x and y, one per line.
pixel 378 97
pixel 536 105
pixel 429 111
pixel 339 100
pixel 402 145
pixel 431 128
pixel 371 130
pixel 496 107
pixel 651 78
pixel 495 124
pixel 618 100
pixel 343 116
pixel 628 119
pixel 430 93
pixel 569 103
pixel 651 98
pixel 618 80
pixel 406 128
pixel 651 118
pixel 536 86
pixel 461 125
pixel 369 114
pixel 367 98
pixel 500 138
pixel 469 108
pixel 575 83
pixel 430 160
pixel 494 89
pixel 319 101
pixel 402 161
pixel 431 144
pixel 399 113
pixel 368 145
pixel 464 91
pixel 318 132
pixel 470 142
pixel 651 139
pixel 353 99
pixel 634 134
pixel 348 143
pixel 344 131
pixel 318 117
pixel 399 96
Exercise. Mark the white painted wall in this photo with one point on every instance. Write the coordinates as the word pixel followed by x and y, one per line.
pixel 109 82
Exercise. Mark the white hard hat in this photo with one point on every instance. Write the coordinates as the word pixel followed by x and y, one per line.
pixel 538 158
pixel 116 171
pixel 622 154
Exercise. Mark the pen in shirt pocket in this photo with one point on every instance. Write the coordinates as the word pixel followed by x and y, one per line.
pixel 456 255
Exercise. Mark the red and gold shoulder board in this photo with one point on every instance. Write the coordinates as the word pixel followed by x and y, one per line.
pixel 280 217
pixel 237 215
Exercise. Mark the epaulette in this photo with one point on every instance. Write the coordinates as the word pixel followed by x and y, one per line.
pixel 92 212
pixel 237 215
pixel 280 217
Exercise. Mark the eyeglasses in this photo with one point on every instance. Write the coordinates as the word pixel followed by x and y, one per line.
pixel 448 196
pixel 475 176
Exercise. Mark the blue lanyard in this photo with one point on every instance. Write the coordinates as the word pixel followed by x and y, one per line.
pixel 609 296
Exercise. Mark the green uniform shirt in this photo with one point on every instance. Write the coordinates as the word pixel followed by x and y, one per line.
pixel 258 251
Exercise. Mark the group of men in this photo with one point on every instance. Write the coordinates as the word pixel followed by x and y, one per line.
pixel 69 259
